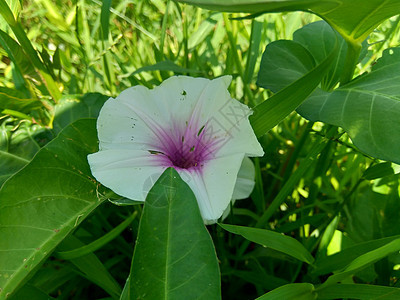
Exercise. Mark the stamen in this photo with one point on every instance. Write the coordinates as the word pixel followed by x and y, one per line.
pixel 187 148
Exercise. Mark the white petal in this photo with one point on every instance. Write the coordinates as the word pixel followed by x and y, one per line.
pixel 232 120
pixel 245 180
pixel 178 96
pixel 244 184
pixel 186 100
pixel 227 119
pixel 122 125
pixel 129 173
pixel 133 119
pixel 213 186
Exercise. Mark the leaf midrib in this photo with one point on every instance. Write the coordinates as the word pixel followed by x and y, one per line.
pixel 167 261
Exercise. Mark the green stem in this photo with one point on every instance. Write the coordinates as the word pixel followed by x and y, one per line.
pixel 352 55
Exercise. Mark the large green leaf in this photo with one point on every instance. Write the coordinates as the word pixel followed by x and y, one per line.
pixel 44 202
pixel 270 112
pixel 174 256
pixel 285 61
pixel 319 38
pixel 282 63
pixel 353 19
pixel 368 108
pixel 273 240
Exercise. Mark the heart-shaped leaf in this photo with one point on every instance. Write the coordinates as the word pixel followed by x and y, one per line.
pixel 368 108
pixel 270 112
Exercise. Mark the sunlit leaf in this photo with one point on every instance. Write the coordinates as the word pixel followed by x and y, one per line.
pixel 284 61
pixel 368 108
pixel 381 170
pixel 205 28
pixel 18 56
pixel 26 45
pixel 15 7
pixel 273 110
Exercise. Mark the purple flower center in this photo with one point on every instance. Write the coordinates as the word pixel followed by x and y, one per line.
pixel 185 148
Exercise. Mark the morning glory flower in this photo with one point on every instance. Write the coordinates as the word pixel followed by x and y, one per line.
pixel 190 124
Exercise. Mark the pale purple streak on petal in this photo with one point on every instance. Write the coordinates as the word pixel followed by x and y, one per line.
pixel 187 147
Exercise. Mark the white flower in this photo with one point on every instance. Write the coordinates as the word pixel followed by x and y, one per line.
pixel 190 124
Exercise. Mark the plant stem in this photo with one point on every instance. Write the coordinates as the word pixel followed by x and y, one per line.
pixel 352 55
